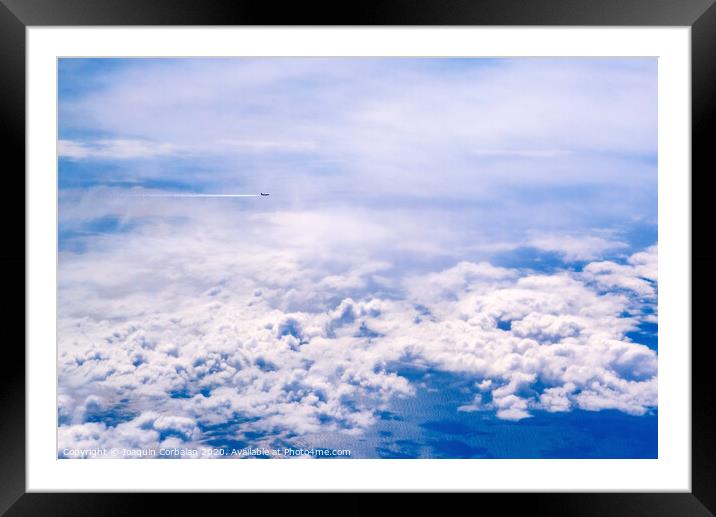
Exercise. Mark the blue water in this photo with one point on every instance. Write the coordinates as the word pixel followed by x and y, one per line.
pixel 647 334
pixel 429 426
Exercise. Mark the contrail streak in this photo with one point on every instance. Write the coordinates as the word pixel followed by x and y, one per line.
pixel 198 195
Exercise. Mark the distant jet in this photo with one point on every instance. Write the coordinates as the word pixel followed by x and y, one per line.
pixel 265 194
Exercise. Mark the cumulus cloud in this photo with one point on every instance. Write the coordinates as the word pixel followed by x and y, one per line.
pixel 147 430
pixel 638 275
pixel 268 344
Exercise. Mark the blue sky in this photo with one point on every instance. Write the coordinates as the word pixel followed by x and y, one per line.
pixel 491 223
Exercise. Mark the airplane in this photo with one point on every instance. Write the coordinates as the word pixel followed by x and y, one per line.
pixel 265 194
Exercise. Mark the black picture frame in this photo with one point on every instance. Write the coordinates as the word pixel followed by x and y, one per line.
pixel 17 15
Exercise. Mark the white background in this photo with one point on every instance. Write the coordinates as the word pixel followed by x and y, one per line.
pixel 671 471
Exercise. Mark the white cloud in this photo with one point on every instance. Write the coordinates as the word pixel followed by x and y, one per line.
pixel 202 328
pixel 282 316
pixel 113 149
pixel 266 145
pixel 638 275
pixel 576 247
pixel 522 153
pixel 132 149
pixel 377 129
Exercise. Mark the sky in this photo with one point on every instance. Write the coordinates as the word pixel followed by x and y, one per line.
pixel 458 257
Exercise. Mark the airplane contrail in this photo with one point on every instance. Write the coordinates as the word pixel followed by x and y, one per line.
pixel 199 195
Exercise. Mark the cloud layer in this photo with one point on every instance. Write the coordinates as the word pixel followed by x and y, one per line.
pixel 423 133
pixel 492 219
pixel 164 335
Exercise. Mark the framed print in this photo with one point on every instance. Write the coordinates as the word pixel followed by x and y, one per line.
pixel 436 249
